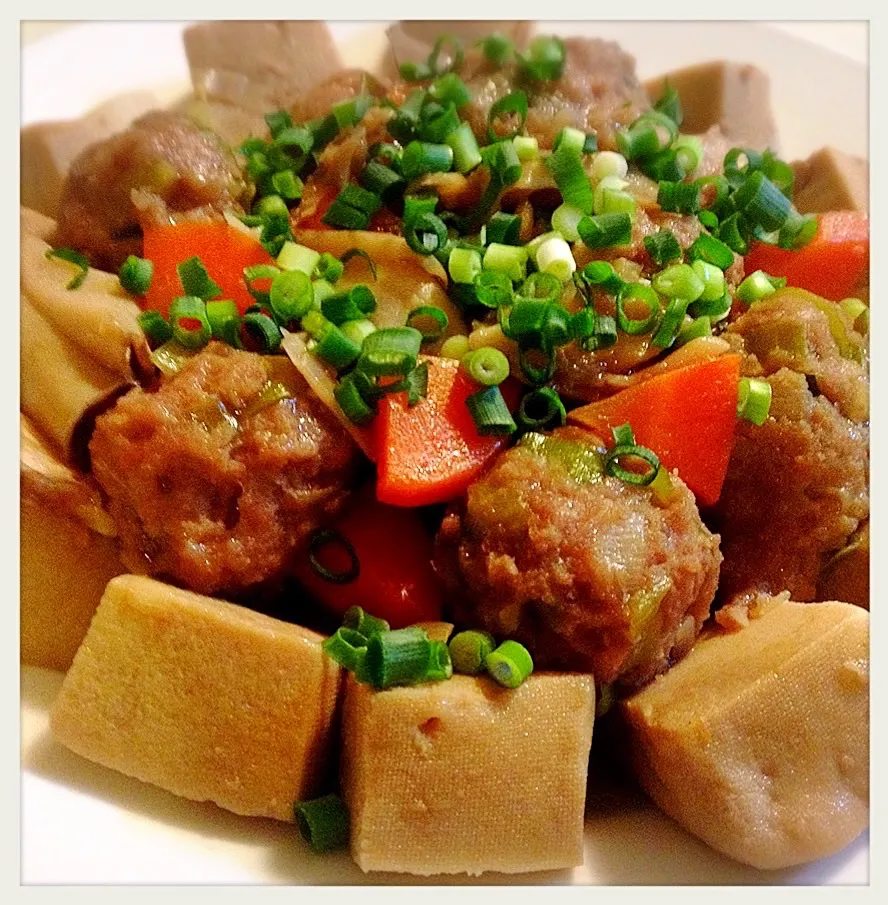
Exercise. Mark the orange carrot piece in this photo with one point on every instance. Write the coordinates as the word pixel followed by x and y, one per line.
pixel 831 265
pixel 224 250
pixel 687 417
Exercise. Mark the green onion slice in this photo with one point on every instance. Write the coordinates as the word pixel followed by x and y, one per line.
pixel 359 253
pixel 672 320
pixel 493 289
pixel 290 296
pixel 507 116
pixel 264 334
pixel 400 657
pixel 390 352
pixel 663 247
pixel 72 257
pixel 188 316
pixel 364 623
pixel 430 320
pixel 544 60
pixel 613 466
pixel 753 400
pixel 679 281
pixel 331 539
pixel 605 230
pixel 446 43
pixel 323 822
pixel 352 402
pixel 541 410
pixel 425 233
pixel 156 328
pixel 644 294
pixel 509 664
pixel 490 413
pixel 487 366
pixel 224 320
pixel 347 647
pixel 136 274
pixel 468 651
pixel 497 48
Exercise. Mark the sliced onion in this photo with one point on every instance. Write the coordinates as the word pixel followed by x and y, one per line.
pixel 322 382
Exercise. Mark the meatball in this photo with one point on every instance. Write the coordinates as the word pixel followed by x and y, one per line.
pixel 214 479
pixel 591 573
pixel 598 90
pixel 162 166
pixel 797 486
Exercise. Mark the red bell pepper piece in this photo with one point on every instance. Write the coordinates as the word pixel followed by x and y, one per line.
pixel 831 265
pixel 686 416
pixel 431 452
pixel 224 250
pixel 395 578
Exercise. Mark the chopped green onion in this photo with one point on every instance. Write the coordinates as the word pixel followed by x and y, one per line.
pixel 136 274
pixel 415 72
pixel 509 664
pixel 490 413
pixel 468 650
pixel 430 320
pixel 386 153
pixel 343 216
pixel 156 328
pixel 466 155
pixel 610 198
pixel 757 286
pixel 708 219
pixel 188 316
pixel 670 323
pixel 75 258
pixel 342 307
pixel 455 347
pixel 605 230
pixel 487 366
pixel 510 260
pixel 358 330
pixel 331 343
pixel 762 203
pixel 425 233
pixel 650 133
pixel 503 229
pixel 440 665
pixel 609 163
pixel 493 289
pixel 352 402
pixel 699 326
pixel 590 144
pixel 421 157
pixel 278 121
pixel 262 331
pixel 359 620
pixel 224 321
pixel 346 646
pixel 679 281
pixel 544 60
pixel 571 178
pixel 797 231
pixel 541 286
pixel 323 823
pixel 713 281
pixel 663 247
pixel 390 352
pixel 359 198
pixel 741 163
pixel 565 220
pixel 753 400
pixel 450 89
pixel 715 310
pixel 400 657
pixel 852 307
pixel 537 364
pixel 290 296
pixel 554 256
pixel 322 289
pixel 287 184
pixel 455 45
pixel 603 275
pixel 328 268
pixel 570 139
pixel 436 126
pixel 526 147
pixel 664 165
pixel 646 295
pixel 497 48
pixel 679 197
pixel 709 249
pixel 622 451
pixel 502 116
pixel 328 538
pixel 381 180
pixel 733 231
pixel 298 257
pixel 464 264
pixel 541 410
pixel 688 151
pixel 669 104
pixel 349 113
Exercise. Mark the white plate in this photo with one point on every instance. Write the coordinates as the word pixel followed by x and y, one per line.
pixel 82 823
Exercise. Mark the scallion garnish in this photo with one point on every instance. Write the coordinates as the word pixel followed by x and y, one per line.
pixel 347 647
pixel 503 228
pixel 678 281
pixel 421 157
pixel 510 260
pixel 670 323
pixel 352 402
pixel 759 285
pixel 669 104
pixel 188 317
pixel 544 60
pixel 507 116
pixel 698 327
pixel 490 413
pixel 446 42
pixel 625 447
pixel 224 320
pixel 679 197
pixel 263 333
pixel 605 230
pixel 390 352
pixel 329 539
pixel 400 657
pixel 364 623
pixel 709 249
pixel 290 296
pixel 430 320
pixel 753 400
pixel 75 258
pixel 509 664
pixel 468 651
pixel 497 48
pixel 323 822
pixel 156 328
pixel 135 275
pixel 567 170
pixel 425 233
pixel 663 247
pixel 487 366
pixel 541 410
pixel 464 264
pixel 466 155
pixel 637 292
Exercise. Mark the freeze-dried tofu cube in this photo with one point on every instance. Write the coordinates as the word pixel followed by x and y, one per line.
pixel 466 776
pixel 203 698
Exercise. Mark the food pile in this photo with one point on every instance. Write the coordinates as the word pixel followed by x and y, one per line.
pixel 412 421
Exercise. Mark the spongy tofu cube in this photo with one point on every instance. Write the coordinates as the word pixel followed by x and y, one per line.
pixel 466 776
pixel 758 740
pixel 206 699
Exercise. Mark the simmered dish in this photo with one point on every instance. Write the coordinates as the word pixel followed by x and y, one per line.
pixel 384 432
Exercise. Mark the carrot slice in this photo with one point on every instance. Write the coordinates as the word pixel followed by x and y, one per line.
pixel 224 250
pixel 687 417
pixel 831 265
pixel 395 579
pixel 431 452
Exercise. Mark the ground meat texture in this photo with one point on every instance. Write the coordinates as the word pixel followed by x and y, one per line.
pixel 592 575
pixel 162 166
pixel 212 483
pixel 598 91
pixel 797 486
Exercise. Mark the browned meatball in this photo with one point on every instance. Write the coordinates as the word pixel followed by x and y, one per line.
pixel 591 573
pixel 211 482
pixel 163 165
pixel 797 486
pixel 598 91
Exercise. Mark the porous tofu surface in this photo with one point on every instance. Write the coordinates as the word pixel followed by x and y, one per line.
pixel 758 741
pixel 203 698
pixel 464 776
